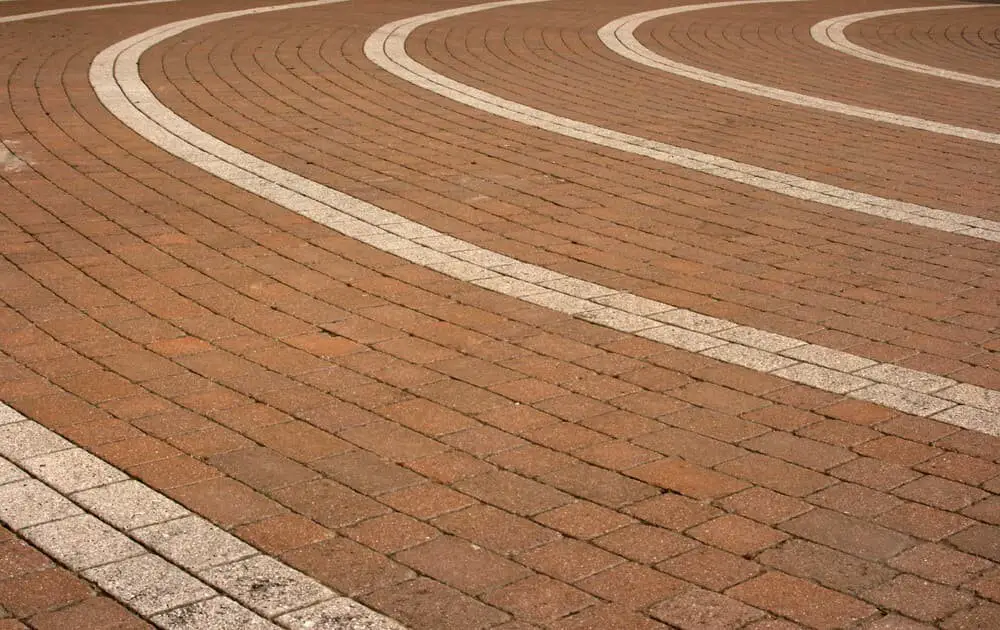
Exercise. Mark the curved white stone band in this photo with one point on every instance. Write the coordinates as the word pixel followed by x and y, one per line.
pixel 20 17
pixel 619 36
pixel 152 554
pixel 115 77
pixel 386 48
pixel 830 33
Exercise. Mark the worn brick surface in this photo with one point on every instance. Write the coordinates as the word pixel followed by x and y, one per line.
pixel 461 459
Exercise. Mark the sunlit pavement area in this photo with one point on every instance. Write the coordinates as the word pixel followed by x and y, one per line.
pixel 565 314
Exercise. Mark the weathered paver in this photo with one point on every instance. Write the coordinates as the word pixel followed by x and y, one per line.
pixel 476 368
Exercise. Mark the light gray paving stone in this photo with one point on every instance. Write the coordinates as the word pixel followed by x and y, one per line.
pixel 903 399
pixel 561 302
pixel 485 258
pixel 619 320
pixel 149 584
pixel 193 543
pixel 971 418
pixel 680 338
pixel 410 230
pixel 752 358
pixel 82 542
pixel 9 472
pixel 218 613
pixel 694 321
pixel 509 286
pixel 634 304
pixel 828 357
pixel 385 241
pixel 974 396
pixel 9 416
pixel 129 504
pixel 579 288
pixel 822 378
pixel 760 339
pixel 461 270
pixel 73 470
pixel 423 255
pixel 31 502
pixel 23 440
pixel 267 586
pixel 528 272
pixel 446 244
pixel 906 378
pixel 338 614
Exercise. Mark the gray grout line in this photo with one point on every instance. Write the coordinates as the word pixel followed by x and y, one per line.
pixel 619 36
pixel 115 77
pixel 20 17
pixel 830 33
pixel 149 552
pixel 386 48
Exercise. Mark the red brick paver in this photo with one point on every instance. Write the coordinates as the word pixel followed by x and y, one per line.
pixel 459 459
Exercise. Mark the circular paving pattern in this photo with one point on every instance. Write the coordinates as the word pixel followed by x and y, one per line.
pixel 515 315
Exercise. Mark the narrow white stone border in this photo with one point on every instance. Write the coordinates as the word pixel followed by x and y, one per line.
pixel 148 552
pixel 20 17
pixel 830 33
pixel 115 77
pixel 386 48
pixel 619 37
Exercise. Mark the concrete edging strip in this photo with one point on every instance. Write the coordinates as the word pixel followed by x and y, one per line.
pixel 830 33
pixel 115 77
pixel 170 566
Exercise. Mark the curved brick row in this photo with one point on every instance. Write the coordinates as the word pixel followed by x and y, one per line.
pixel 452 457
pixel 954 41
pixel 831 33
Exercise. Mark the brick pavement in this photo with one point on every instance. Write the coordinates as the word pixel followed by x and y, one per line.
pixel 457 458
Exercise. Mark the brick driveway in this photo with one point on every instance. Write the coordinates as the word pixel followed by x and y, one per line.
pixel 458 458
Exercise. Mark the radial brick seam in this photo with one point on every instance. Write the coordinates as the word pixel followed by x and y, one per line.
pixel 115 77
pixel 830 33
pixel 149 552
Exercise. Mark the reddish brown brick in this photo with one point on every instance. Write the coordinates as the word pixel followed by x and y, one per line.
pixel 934 561
pixel 848 534
pixel 829 567
pixel 346 566
pixel 426 500
pixel 854 500
pixel 44 590
pixel 697 608
pixel 923 521
pixel 981 540
pixel 391 533
pixel 710 568
pixel 874 473
pixel 583 520
pixel 918 598
pixel 940 493
pixel 631 585
pixel 763 505
pixel 539 599
pixel 687 478
pixel 513 493
pixel 424 603
pixel 281 533
pixel 602 617
pixel 776 474
pixel 673 511
pixel 644 543
pixel 366 472
pixel 462 565
pixel 898 450
pixel 495 529
pixel 801 601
